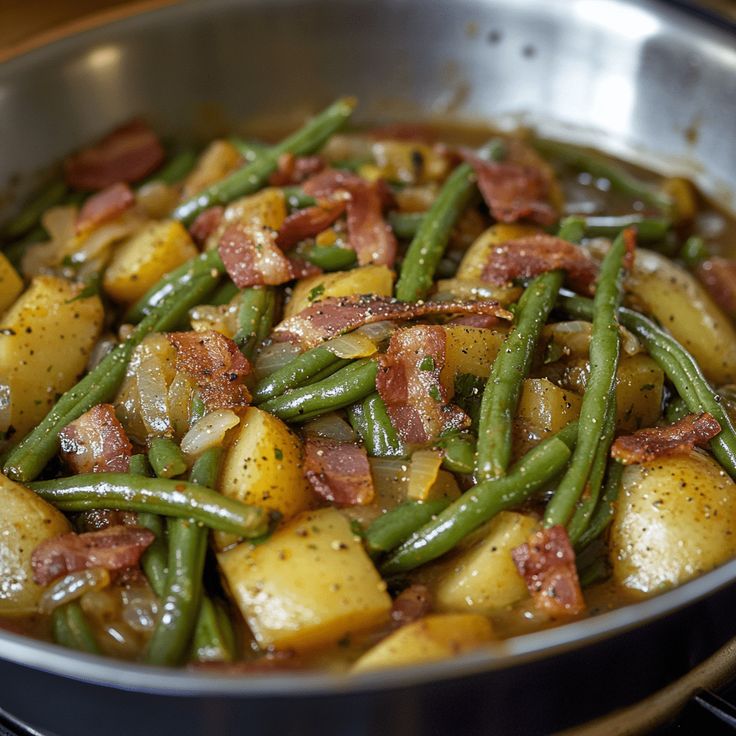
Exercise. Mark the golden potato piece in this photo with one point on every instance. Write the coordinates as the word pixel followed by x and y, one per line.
pixel 474 261
pixel 11 283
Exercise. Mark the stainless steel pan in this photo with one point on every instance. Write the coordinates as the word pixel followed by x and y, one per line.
pixel 646 80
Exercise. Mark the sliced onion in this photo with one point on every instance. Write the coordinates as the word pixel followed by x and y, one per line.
pixel 425 465
pixel 179 399
pixel 152 397
pixel 222 318
pixel 100 240
pixel 629 341
pixel 378 331
pixel 351 345
pixel 5 408
pixel 60 224
pixel 473 290
pixel 272 357
pixel 140 607
pixel 209 431
pixel 391 480
pixel 332 426
pixel 73 586
pixel 157 199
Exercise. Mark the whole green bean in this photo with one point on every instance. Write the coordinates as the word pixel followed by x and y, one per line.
pixel 428 245
pixel 331 257
pixel 30 456
pixel 224 294
pixel 166 458
pixel 251 177
pixel 603 514
pixel 71 628
pixel 214 638
pixel 255 318
pixel 604 353
pixel 348 385
pixel 375 429
pixel 395 526
pixel 174 170
pixel 510 368
pixel 648 229
pixel 248 149
pixel 30 214
pixel 206 468
pixel 176 498
pixel 459 453
pixel 482 502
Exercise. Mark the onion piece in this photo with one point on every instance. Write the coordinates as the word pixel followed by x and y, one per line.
pixel 423 471
pixel 157 199
pixel 222 318
pixel 97 244
pixel 60 224
pixel 273 357
pixel 351 345
pixel 179 399
pixel 102 347
pixel 73 586
pixel 332 426
pixel 209 431
pixel 574 338
pixel 378 331
pixel 152 397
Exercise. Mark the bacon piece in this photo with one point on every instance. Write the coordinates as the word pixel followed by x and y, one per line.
pixel 96 442
pixel 679 438
pixel 104 206
pixel 338 471
pixel 300 268
pixel 535 254
pixel 309 222
pixel 513 190
pixel 369 235
pixel 295 169
pixel 476 320
pixel 408 381
pixel 334 315
pixel 128 154
pixel 205 223
pixel 114 548
pixel 718 275
pixel 216 365
pixel 410 605
pixel 630 243
pixel 252 258
pixel 547 564
pixel 95 520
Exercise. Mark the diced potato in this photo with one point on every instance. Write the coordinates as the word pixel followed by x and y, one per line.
pixel 469 350
pixel 11 283
pixel 474 261
pixel 218 160
pixel 675 519
pixel 310 584
pixel 364 280
pixel 409 162
pixel 482 576
pixel 679 303
pixel 138 263
pixel 26 521
pixel 263 465
pixel 45 340
pixel 430 638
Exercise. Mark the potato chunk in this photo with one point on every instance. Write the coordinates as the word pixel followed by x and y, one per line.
pixel 469 350
pixel 482 577
pixel 364 280
pixel 11 283
pixel 474 261
pixel 428 639
pixel 45 340
pixel 545 408
pixel 675 519
pixel 310 584
pixel 141 261
pixel 26 521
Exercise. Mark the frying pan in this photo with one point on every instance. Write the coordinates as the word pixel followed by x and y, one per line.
pixel 651 81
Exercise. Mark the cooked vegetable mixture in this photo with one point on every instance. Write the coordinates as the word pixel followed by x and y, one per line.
pixel 356 399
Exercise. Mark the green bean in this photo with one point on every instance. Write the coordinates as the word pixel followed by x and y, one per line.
pixel 224 294
pixel 251 177
pixel 207 263
pixel 510 368
pixel 176 498
pixel 589 500
pixel 30 456
pixel 30 215
pixel 603 514
pixel 459 453
pixel 327 371
pixel 395 526
pixel 599 167
pixel 594 572
pixel 206 468
pixel 214 638
pixel 482 502
pixel 174 170
pixel 71 628
pixel 139 465
pixel 676 410
pixel 572 229
pixel 296 199
pixel 428 245
pixel 694 251
pixel 295 373
pixel 405 224
pixel 197 408
pixel 180 604
pixel 375 429
pixel 681 369
pixel 346 386
pixel 255 318
pixel 648 229
pixel 604 353
pixel 248 149
pixel 331 257
pixel 166 458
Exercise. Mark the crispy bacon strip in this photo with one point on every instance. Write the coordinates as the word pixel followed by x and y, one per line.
pixel 216 365
pixel 295 169
pixel 334 315
pixel 309 222
pixel 718 275
pixel 679 438
pixel 530 256
pixel 96 442
pixel 252 258
pixel 105 206
pixel 338 471
pixel 408 381
pixel 547 564
pixel 368 233
pixel 127 154
pixel 114 548
pixel 410 605
pixel 205 223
